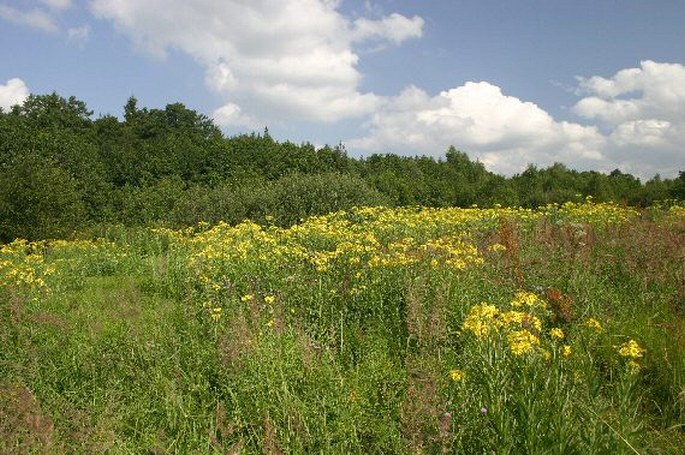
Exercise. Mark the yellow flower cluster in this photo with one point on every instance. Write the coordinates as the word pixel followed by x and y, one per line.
pixel 594 324
pixel 482 319
pixel 588 212
pixel 362 238
pixel 522 341
pixel 216 314
pixel 528 299
pixel 631 350
pixel 676 213
pixel 520 328
pixel 557 333
pixel 365 241
pixel 22 265
pixel 38 266
pixel 497 247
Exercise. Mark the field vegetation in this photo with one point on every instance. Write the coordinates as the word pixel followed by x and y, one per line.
pixel 559 329
pixel 167 289
pixel 61 172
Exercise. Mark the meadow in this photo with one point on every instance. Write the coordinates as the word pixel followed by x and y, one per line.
pixel 372 330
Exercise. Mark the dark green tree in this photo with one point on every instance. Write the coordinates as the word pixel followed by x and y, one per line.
pixel 38 200
pixel 54 111
pixel 678 189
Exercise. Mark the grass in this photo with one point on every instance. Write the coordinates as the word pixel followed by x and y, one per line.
pixel 369 331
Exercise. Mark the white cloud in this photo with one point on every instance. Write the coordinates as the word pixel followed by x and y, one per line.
pixel 13 92
pixel 502 131
pixel 639 115
pixel 275 59
pixel 395 28
pixel 644 133
pixel 35 18
pixel 655 90
pixel 231 116
pixel 659 81
pixel 643 111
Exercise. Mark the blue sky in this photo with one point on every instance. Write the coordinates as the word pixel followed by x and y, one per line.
pixel 593 84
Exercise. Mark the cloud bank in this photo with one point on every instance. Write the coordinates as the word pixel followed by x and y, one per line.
pixel 268 59
pixel 639 116
pixel 502 131
pixel 642 111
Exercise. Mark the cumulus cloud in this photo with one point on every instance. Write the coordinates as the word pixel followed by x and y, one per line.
pixel 504 132
pixel 642 111
pixel 13 92
pixel 277 59
pixel 635 121
pixel 231 115
pixel 34 18
pixel 655 90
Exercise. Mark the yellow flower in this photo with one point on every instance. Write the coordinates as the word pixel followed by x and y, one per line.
pixel 594 324
pixel 270 299
pixel 567 351
pixel 481 319
pixel 497 247
pixel 522 341
pixel 557 333
pixel 216 314
pixel 631 349
pixel 528 299
pixel 457 375
pixel 513 317
pixel 246 298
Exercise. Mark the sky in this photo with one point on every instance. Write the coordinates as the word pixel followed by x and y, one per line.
pixel 593 84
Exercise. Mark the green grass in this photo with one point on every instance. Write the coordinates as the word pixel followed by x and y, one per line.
pixel 119 351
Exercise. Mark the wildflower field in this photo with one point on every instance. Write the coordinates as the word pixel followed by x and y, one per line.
pixel 374 330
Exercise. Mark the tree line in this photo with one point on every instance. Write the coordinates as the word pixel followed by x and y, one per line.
pixel 62 171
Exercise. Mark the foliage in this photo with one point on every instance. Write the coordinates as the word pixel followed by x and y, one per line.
pixel 365 330
pixel 38 199
pixel 172 166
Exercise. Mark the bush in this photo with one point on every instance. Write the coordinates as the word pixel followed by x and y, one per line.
pixel 38 200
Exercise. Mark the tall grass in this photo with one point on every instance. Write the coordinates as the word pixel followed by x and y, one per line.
pixel 366 331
